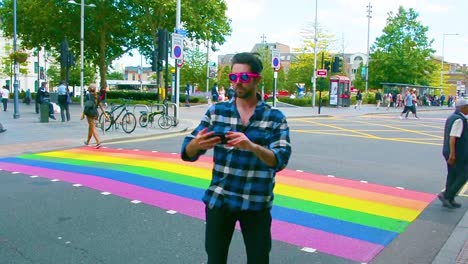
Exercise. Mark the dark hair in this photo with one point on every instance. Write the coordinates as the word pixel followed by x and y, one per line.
pixel 251 59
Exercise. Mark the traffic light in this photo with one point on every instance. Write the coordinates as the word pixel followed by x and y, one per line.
pixel 154 61
pixel 162 44
pixel 71 59
pixel 336 65
pixel 327 65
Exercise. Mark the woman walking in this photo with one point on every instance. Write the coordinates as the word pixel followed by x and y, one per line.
pixel 91 113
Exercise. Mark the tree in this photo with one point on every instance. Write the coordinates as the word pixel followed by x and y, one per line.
pixel 115 76
pixel 112 27
pixel 302 65
pixel 403 53
pixel 194 69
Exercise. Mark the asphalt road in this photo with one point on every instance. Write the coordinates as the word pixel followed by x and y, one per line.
pixel 44 221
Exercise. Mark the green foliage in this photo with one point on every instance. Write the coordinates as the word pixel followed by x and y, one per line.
pixel 402 54
pixel 359 83
pixel 115 76
pixel 194 69
pixel 223 78
pixel 112 28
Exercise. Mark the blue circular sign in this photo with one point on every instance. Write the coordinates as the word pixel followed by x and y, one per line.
pixel 275 62
pixel 177 51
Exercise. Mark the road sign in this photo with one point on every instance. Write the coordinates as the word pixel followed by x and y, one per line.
pixel 275 59
pixel 322 73
pixel 177 46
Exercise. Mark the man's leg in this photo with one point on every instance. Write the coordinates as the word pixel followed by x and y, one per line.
pixel 62 111
pixel 458 175
pixel 218 234
pixel 256 230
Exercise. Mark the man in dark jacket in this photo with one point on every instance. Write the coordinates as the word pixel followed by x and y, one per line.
pixel 455 151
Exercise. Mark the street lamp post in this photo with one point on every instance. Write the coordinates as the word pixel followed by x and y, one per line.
pixel 314 78
pixel 369 7
pixel 442 68
pixel 82 5
pixel 16 114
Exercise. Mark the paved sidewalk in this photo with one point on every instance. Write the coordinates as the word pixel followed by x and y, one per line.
pixel 27 135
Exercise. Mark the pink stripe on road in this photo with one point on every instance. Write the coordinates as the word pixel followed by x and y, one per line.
pixel 325 242
pixel 283 231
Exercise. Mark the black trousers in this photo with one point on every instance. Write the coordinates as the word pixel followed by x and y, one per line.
pixel 5 103
pixel 256 231
pixel 456 178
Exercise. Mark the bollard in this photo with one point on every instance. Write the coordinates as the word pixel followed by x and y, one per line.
pixel 44 117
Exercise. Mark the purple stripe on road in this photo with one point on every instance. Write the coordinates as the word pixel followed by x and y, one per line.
pixel 329 243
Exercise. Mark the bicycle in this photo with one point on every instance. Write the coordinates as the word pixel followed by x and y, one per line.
pixel 128 121
pixel 164 121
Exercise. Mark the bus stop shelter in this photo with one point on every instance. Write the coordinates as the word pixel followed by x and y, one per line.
pixel 420 89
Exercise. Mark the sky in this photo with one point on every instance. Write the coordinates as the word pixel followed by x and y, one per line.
pixel 282 21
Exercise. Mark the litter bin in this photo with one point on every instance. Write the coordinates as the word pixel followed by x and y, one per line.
pixel 44 117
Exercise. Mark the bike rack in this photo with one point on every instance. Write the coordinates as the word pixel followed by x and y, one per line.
pixel 176 106
pixel 140 105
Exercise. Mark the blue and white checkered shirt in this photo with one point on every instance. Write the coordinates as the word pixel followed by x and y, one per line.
pixel 241 181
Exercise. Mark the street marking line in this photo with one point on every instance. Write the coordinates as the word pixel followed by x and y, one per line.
pixel 464 191
pixel 54 180
pixel 344 129
pixel 135 201
pixel 309 250
pixel 171 212
pixel 77 185
pixel 33 176
pixel 400 129
pixel 105 193
pixel 14 172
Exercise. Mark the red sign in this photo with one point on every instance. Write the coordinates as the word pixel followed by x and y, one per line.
pixel 322 73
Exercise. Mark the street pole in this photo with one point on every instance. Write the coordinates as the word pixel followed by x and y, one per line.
pixel 82 14
pixel 177 82
pixel 208 69
pixel 82 54
pixel 314 78
pixel 16 114
pixel 369 7
pixel 442 68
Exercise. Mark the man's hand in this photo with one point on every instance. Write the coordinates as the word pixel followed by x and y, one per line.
pixel 203 141
pixel 451 160
pixel 239 140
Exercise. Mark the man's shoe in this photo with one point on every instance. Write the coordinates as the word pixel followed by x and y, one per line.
pixel 455 204
pixel 3 130
pixel 445 202
pixel 52 117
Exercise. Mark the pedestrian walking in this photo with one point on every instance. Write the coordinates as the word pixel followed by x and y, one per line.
pixel 409 106
pixel 188 88
pixel 358 100
pixel 389 100
pixel 378 99
pixel 256 146
pixel 214 93
pixel 230 92
pixel 91 113
pixel 5 96
pixel 455 151
pixel 63 96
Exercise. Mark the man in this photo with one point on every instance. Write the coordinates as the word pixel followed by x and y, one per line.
pixel 42 95
pixel 251 145
pixel 187 94
pixel 5 95
pixel 62 100
pixel 455 151
pixel 214 93
pixel 230 92
pixel 409 106
pixel 378 99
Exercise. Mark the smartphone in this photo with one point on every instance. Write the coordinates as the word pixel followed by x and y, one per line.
pixel 224 140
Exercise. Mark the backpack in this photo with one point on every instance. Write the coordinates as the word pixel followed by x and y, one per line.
pixel 90 107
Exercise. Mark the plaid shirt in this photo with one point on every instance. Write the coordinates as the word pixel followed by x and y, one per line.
pixel 241 181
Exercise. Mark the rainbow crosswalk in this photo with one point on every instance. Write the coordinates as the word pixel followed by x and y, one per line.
pixel 335 216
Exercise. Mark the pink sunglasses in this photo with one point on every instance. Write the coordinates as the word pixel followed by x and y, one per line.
pixel 243 77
